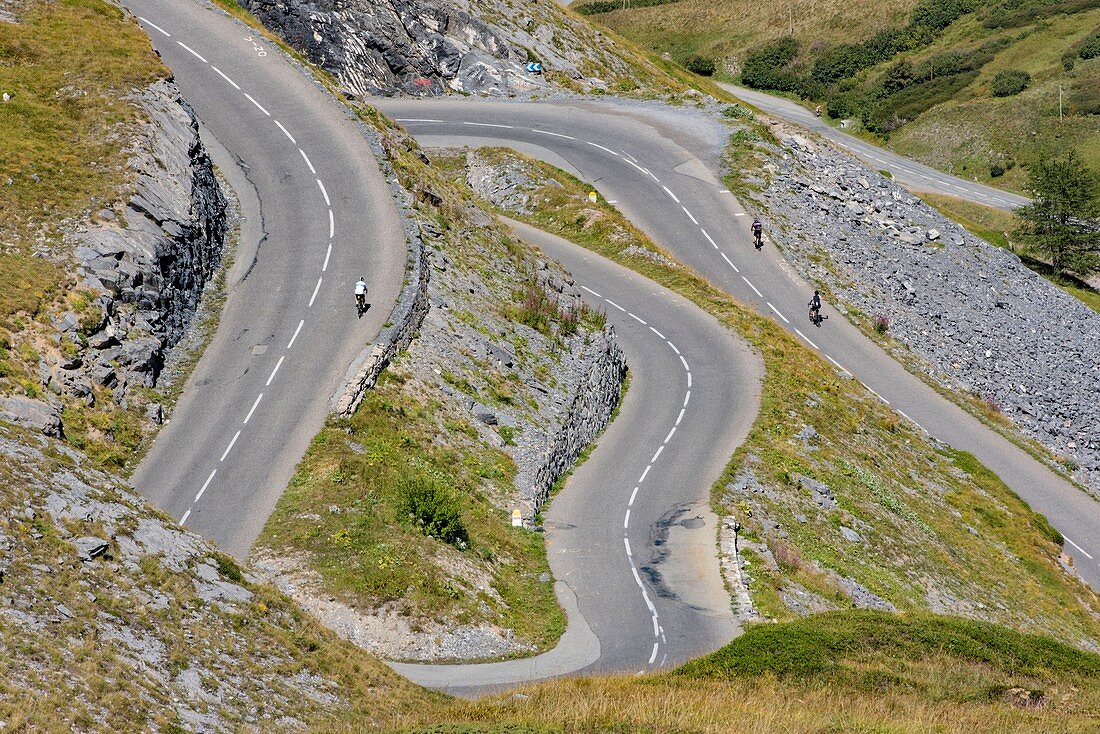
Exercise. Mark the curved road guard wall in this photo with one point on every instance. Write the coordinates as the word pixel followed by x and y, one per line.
pixel 407 315
pixel 595 400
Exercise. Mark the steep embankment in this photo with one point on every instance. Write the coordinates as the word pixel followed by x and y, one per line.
pixel 115 225
pixel 112 618
pixel 973 89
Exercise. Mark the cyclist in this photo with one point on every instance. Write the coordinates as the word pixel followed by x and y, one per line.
pixel 815 308
pixel 361 294
pixel 758 232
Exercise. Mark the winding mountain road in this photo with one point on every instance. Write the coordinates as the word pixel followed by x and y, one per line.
pixel 318 214
pixel 909 173
pixel 632 533
pixel 656 166
pixel 631 539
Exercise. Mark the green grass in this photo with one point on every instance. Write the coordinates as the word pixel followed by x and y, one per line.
pixel 900 492
pixel 370 552
pixel 855 649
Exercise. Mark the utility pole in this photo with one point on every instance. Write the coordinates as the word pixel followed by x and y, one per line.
pixel 1059 103
pixel 790 14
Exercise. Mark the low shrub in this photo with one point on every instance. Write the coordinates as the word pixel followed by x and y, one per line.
pixel 1010 82
pixel 701 65
pixel 881 324
pixel 434 509
pixel 1090 47
pixel 997 170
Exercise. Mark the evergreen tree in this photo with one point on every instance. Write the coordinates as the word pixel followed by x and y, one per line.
pixel 1061 223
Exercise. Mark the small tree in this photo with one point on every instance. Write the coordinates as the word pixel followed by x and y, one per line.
pixel 1061 221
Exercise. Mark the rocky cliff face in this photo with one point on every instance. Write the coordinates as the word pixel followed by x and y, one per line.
pixel 429 47
pixel 143 272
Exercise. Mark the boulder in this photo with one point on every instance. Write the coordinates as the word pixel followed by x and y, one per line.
pixel 37 415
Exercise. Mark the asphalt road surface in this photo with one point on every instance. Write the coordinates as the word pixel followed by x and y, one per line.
pixel 632 534
pixel 318 215
pixel 659 174
pixel 909 173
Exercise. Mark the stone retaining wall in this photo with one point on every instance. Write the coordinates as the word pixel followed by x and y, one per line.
pixel 593 403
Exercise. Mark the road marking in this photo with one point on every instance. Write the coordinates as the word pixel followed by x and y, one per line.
pixel 657 455
pixel 640 169
pixel 324 193
pixel 687 397
pixel 709 239
pixel 153 25
pixel 633 495
pixel 597 145
pixel 871 390
pixel 689 380
pixel 315 289
pixel 253 410
pixel 670 434
pixel 626 520
pixel 277 366
pixel 626 542
pixel 206 484
pixel 331 224
pixel 415 119
pixel 654 655
pixel 185 516
pixel 609 301
pixel 1087 555
pixel 556 135
pixel 328 253
pixel 488 124
pixel 657 333
pixel 192 51
pixel 638 319
pixel 293 338
pixel 286 132
pixel 308 162
pixel 644 474
pixel 597 295
pixel 650 174
pixel 723 191
pixel 838 364
pixel 778 313
pixel 669 192
pixel 730 263
pixel 739 214
pixel 629 157
pixel 752 286
pixel 808 340
pixel 692 218
pixel 673 347
pixel 230 446
pixel 681 416
pixel 234 84
pixel 259 106
pixel 656 627
pixel 685 363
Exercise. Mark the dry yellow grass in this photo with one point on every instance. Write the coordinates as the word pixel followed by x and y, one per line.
pixel 756 706
pixel 730 27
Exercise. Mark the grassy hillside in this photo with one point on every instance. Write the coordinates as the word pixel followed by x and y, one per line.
pixel 918 76
pixel 843 672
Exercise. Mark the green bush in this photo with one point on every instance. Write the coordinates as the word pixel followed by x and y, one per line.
pixel 1084 98
pixel 433 508
pixel 701 65
pixel 608 6
pixel 1014 13
pixel 819 647
pixel 1010 82
pixel 1090 47
pixel 996 170
pixel 767 66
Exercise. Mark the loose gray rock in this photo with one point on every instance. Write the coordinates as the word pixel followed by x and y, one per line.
pixel 37 415
pixel 89 547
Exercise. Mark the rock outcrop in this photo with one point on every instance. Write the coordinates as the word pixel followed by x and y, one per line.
pixel 984 322
pixel 143 273
pixel 428 47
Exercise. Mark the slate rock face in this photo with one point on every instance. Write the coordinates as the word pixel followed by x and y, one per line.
pixel 431 47
pixel 148 275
